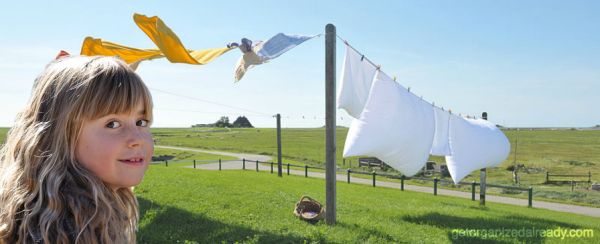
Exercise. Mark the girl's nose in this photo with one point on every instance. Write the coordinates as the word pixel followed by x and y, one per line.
pixel 135 137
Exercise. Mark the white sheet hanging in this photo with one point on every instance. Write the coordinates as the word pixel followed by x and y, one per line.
pixel 357 77
pixel 395 126
pixel 475 144
pixel 440 145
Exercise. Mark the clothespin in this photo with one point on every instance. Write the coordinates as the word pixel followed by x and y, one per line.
pixel 379 67
pixel 408 89
pixel 363 57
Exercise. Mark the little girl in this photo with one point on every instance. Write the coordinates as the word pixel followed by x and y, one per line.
pixel 69 162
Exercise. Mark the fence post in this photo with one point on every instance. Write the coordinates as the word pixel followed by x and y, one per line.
pixel 194 163
pixel 166 163
pixel 547 177
pixel 243 163
pixel 256 165
pixel 348 171
pixel 271 167
pixel 374 178
pixel 402 183
pixel 288 168
pixel 219 164
pixel 572 185
pixel 305 170
pixel 589 176
pixel 435 183
pixel 530 197
pixel 473 191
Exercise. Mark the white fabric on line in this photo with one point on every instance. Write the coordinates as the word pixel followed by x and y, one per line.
pixel 475 144
pixel 441 146
pixel 280 44
pixel 357 77
pixel 395 126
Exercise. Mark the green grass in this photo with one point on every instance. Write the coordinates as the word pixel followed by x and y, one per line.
pixel 560 151
pixel 179 205
pixel 187 156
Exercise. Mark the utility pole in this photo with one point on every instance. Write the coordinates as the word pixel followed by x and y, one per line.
pixel 279 166
pixel 482 175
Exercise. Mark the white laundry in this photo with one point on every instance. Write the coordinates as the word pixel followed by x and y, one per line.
pixel 440 145
pixel 395 126
pixel 475 144
pixel 280 44
pixel 357 77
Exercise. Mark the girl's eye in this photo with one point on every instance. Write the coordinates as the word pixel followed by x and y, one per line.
pixel 142 123
pixel 113 124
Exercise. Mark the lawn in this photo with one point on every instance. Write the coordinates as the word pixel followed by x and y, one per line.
pixel 540 151
pixel 182 205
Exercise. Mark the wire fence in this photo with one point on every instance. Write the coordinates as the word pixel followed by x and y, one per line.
pixel 254 164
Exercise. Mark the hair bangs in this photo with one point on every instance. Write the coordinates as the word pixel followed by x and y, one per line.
pixel 116 91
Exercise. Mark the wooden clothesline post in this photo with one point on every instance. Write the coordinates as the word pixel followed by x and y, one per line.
pixel 330 147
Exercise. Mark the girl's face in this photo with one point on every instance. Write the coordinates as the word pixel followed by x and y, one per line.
pixel 117 147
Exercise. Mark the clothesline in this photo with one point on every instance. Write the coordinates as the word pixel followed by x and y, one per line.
pixel 379 68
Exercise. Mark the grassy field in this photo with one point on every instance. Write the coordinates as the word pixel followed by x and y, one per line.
pixel 180 205
pixel 556 151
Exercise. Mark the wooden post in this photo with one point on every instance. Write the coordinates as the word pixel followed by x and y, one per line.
pixel 482 175
pixel 256 165
pixel 305 171
pixel 288 168
pixel 279 163
pixel 348 171
pixel 166 163
pixel 402 183
pixel 473 191
pixel 243 163
pixel 271 167
pixel 530 197
pixel 194 163
pixel 219 164
pixel 435 183
pixel 374 178
pixel 330 110
pixel 547 177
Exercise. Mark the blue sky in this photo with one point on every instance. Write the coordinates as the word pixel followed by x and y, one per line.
pixel 527 63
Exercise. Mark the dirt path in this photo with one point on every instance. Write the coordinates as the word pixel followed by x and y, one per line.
pixel 251 159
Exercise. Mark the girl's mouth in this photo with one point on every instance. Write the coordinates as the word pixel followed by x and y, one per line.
pixel 133 161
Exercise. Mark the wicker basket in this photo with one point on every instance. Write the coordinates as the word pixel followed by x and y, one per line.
pixel 309 209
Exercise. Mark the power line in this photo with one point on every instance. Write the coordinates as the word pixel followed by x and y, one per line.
pixel 211 102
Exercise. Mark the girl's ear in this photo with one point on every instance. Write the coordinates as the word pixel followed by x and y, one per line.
pixel 62 54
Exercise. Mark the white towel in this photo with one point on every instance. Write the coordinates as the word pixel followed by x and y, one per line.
pixel 440 146
pixel 395 126
pixel 475 144
pixel 357 77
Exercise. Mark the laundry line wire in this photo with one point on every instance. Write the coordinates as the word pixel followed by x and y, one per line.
pixel 378 66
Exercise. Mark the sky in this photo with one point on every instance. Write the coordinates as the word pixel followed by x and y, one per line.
pixel 526 63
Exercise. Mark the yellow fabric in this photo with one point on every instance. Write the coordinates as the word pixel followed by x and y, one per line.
pixel 170 45
pixel 92 46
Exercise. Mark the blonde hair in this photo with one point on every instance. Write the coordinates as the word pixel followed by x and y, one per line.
pixel 45 194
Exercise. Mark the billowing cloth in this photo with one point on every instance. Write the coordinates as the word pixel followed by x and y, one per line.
pixel 248 59
pixel 357 77
pixel 92 46
pixel 395 126
pixel 170 45
pixel 440 145
pixel 476 144
pixel 262 52
pixel 280 44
